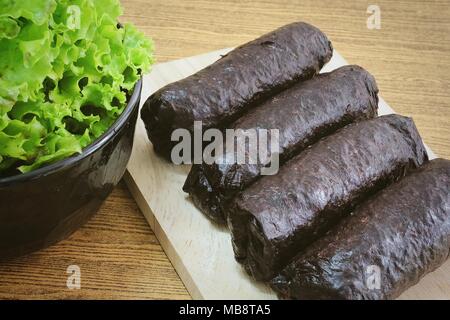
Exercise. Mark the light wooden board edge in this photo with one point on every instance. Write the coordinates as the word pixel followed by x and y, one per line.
pixel 169 249
pixel 194 284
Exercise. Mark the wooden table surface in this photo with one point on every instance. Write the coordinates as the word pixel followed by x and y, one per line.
pixel 118 254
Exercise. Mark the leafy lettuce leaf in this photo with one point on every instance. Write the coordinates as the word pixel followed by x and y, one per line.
pixel 66 73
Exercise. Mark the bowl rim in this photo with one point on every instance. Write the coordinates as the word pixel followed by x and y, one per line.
pixel 89 150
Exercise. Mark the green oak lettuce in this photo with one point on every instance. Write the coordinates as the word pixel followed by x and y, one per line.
pixel 66 71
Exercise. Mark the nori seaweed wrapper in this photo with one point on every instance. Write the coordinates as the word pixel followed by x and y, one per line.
pixel 278 216
pixel 223 91
pixel 403 231
pixel 303 114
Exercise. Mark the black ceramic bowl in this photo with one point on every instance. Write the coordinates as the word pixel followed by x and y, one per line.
pixel 42 207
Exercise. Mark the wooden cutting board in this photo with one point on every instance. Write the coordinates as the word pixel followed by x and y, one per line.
pixel 200 251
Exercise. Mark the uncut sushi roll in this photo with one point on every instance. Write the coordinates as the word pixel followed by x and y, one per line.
pixel 223 91
pixel 279 216
pixel 402 233
pixel 303 114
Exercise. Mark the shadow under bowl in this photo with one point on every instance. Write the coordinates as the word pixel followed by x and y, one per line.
pixel 42 207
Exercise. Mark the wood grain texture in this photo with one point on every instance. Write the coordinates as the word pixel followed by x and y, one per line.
pixel 410 57
pixel 118 255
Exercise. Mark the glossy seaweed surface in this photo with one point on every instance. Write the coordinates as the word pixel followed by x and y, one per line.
pixel 303 114
pixel 225 90
pixel 42 207
pixel 279 216
pixel 403 231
